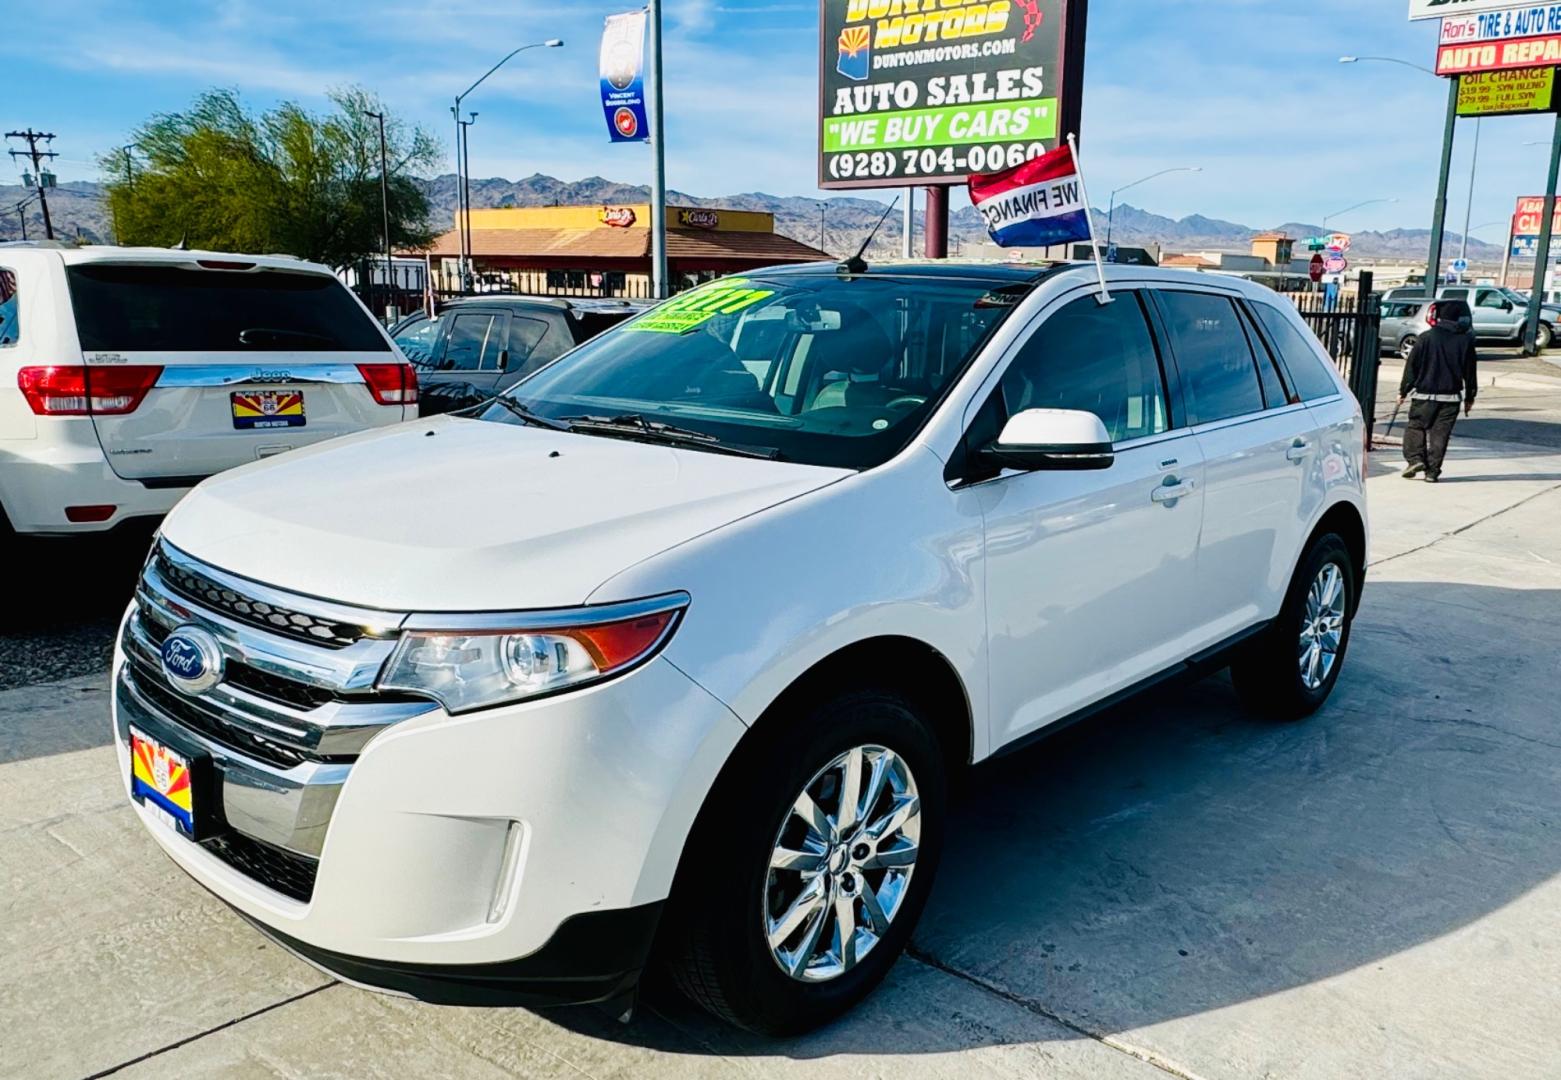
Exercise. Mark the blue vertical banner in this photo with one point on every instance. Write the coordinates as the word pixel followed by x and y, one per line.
pixel 623 77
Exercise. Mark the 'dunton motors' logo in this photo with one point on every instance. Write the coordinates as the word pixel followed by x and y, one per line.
pixel 1033 16
pixel 855 57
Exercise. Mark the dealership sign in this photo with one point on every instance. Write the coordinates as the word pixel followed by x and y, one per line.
pixel 1503 93
pixel 930 91
pixel 1438 9
pixel 1528 37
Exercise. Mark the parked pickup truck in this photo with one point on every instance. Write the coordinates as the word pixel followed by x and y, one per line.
pixel 128 375
pixel 672 650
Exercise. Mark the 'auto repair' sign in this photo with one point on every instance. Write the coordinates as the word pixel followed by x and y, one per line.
pixel 1527 37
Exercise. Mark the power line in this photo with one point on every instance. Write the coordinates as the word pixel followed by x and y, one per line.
pixel 37 157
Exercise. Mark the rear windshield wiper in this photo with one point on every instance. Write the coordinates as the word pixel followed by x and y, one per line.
pixel 266 335
pixel 637 426
pixel 533 418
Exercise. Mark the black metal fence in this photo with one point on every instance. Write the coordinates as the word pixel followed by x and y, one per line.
pixel 1350 328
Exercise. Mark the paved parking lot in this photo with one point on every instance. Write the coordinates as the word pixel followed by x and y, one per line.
pixel 1173 889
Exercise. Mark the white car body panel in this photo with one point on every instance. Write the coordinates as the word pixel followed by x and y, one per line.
pixel 1045 593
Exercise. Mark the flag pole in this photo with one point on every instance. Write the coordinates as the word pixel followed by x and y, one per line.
pixel 1089 216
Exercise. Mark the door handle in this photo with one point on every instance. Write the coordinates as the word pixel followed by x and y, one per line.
pixel 1172 490
pixel 1298 449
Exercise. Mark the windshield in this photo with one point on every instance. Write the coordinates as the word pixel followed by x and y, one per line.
pixel 822 370
pixel 131 308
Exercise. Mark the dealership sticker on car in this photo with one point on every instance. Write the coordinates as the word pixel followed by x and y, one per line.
pixel 260 409
pixel 162 780
pixel 696 307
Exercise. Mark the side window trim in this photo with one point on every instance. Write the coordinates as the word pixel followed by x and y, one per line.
pixel 1261 348
pixel 14 301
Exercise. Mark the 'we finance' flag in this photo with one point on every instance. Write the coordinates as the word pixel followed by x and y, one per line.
pixel 1036 204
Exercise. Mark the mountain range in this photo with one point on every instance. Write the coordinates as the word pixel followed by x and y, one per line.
pixel 78 209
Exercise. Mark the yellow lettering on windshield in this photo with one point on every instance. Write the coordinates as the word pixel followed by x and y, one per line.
pixel 688 310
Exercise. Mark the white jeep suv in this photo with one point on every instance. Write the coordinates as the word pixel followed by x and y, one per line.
pixel 670 652
pixel 127 375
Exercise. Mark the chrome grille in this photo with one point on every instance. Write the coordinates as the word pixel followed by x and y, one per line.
pixel 231 600
pixel 286 723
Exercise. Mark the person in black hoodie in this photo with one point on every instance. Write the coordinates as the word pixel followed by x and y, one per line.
pixel 1440 374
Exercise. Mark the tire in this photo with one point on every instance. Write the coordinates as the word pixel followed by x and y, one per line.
pixel 1407 345
pixel 728 897
pixel 1544 337
pixel 1272 673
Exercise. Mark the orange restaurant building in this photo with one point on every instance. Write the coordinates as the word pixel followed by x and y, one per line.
pixel 605 250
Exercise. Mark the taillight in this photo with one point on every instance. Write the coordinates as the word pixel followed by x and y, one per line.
pixel 391 384
pixel 87 391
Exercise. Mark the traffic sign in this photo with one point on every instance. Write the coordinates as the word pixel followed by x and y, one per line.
pixel 1317 268
pixel 1335 263
pixel 1460 266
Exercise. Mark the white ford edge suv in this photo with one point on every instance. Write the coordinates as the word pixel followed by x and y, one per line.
pixel 127 375
pixel 670 652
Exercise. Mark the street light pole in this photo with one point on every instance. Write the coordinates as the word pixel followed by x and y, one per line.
pixel 384 207
pixel 466 197
pixel 460 167
pixel 1340 213
pixel 1468 213
pixel 1439 214
pixel 1112 212
pixel 660 287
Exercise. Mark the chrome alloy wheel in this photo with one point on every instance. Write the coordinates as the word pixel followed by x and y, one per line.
pixel 1322 627
pixel 842 863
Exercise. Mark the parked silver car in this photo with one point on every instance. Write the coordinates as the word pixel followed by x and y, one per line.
pixel 1403 321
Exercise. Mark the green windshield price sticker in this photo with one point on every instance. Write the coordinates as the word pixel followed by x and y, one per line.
pixel 698 306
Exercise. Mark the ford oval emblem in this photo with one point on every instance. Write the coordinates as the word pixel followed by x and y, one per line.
pixel 192 660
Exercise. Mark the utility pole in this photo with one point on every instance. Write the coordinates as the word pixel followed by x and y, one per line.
pixel 1468 213
pixel 463 196
pixel 908 230
pixel 1536 295
pixel 823 208
pixel 384 206
pixel 37 157
pixel 1433 270
pixel 658 146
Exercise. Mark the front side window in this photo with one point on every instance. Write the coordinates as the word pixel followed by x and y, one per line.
pixel 815 368
pixel 1308 372
pixel 10 314
pixel 138 308
pixel 1213 355
pixel 1097 358
pixel 1491 298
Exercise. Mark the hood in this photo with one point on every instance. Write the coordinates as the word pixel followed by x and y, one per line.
pixel 466 515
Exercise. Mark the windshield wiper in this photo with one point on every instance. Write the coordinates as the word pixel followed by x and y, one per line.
pixel 637 426
pixel 267 335
pixel 530 417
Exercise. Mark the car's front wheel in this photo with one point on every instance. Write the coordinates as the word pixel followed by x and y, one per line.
pixel 1289 670
pixel 812 864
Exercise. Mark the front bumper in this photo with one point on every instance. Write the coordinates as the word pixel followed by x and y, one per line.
pixel 516 855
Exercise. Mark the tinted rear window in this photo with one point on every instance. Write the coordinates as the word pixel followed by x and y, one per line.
pixel 170 309
pixel 1308 375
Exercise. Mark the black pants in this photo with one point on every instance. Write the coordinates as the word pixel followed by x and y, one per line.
pixel 1425 438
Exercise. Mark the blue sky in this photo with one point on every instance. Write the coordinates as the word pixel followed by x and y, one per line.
pixel 1249 89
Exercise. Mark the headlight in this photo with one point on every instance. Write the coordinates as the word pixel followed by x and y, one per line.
pixel 468 667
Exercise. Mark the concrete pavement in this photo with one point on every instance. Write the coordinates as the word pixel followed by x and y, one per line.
pixel 1173 889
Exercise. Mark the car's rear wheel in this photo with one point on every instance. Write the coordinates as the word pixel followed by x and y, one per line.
pixel 1544 337
pixel 1290 669
pixel 811 865
pixel 1407 346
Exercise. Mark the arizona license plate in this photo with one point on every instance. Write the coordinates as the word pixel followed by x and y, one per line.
pixel 261 409
pixel 163 780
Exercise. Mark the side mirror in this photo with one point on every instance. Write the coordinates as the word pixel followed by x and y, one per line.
pixel 1060 439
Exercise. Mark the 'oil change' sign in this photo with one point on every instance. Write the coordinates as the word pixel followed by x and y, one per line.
pixel 930 91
